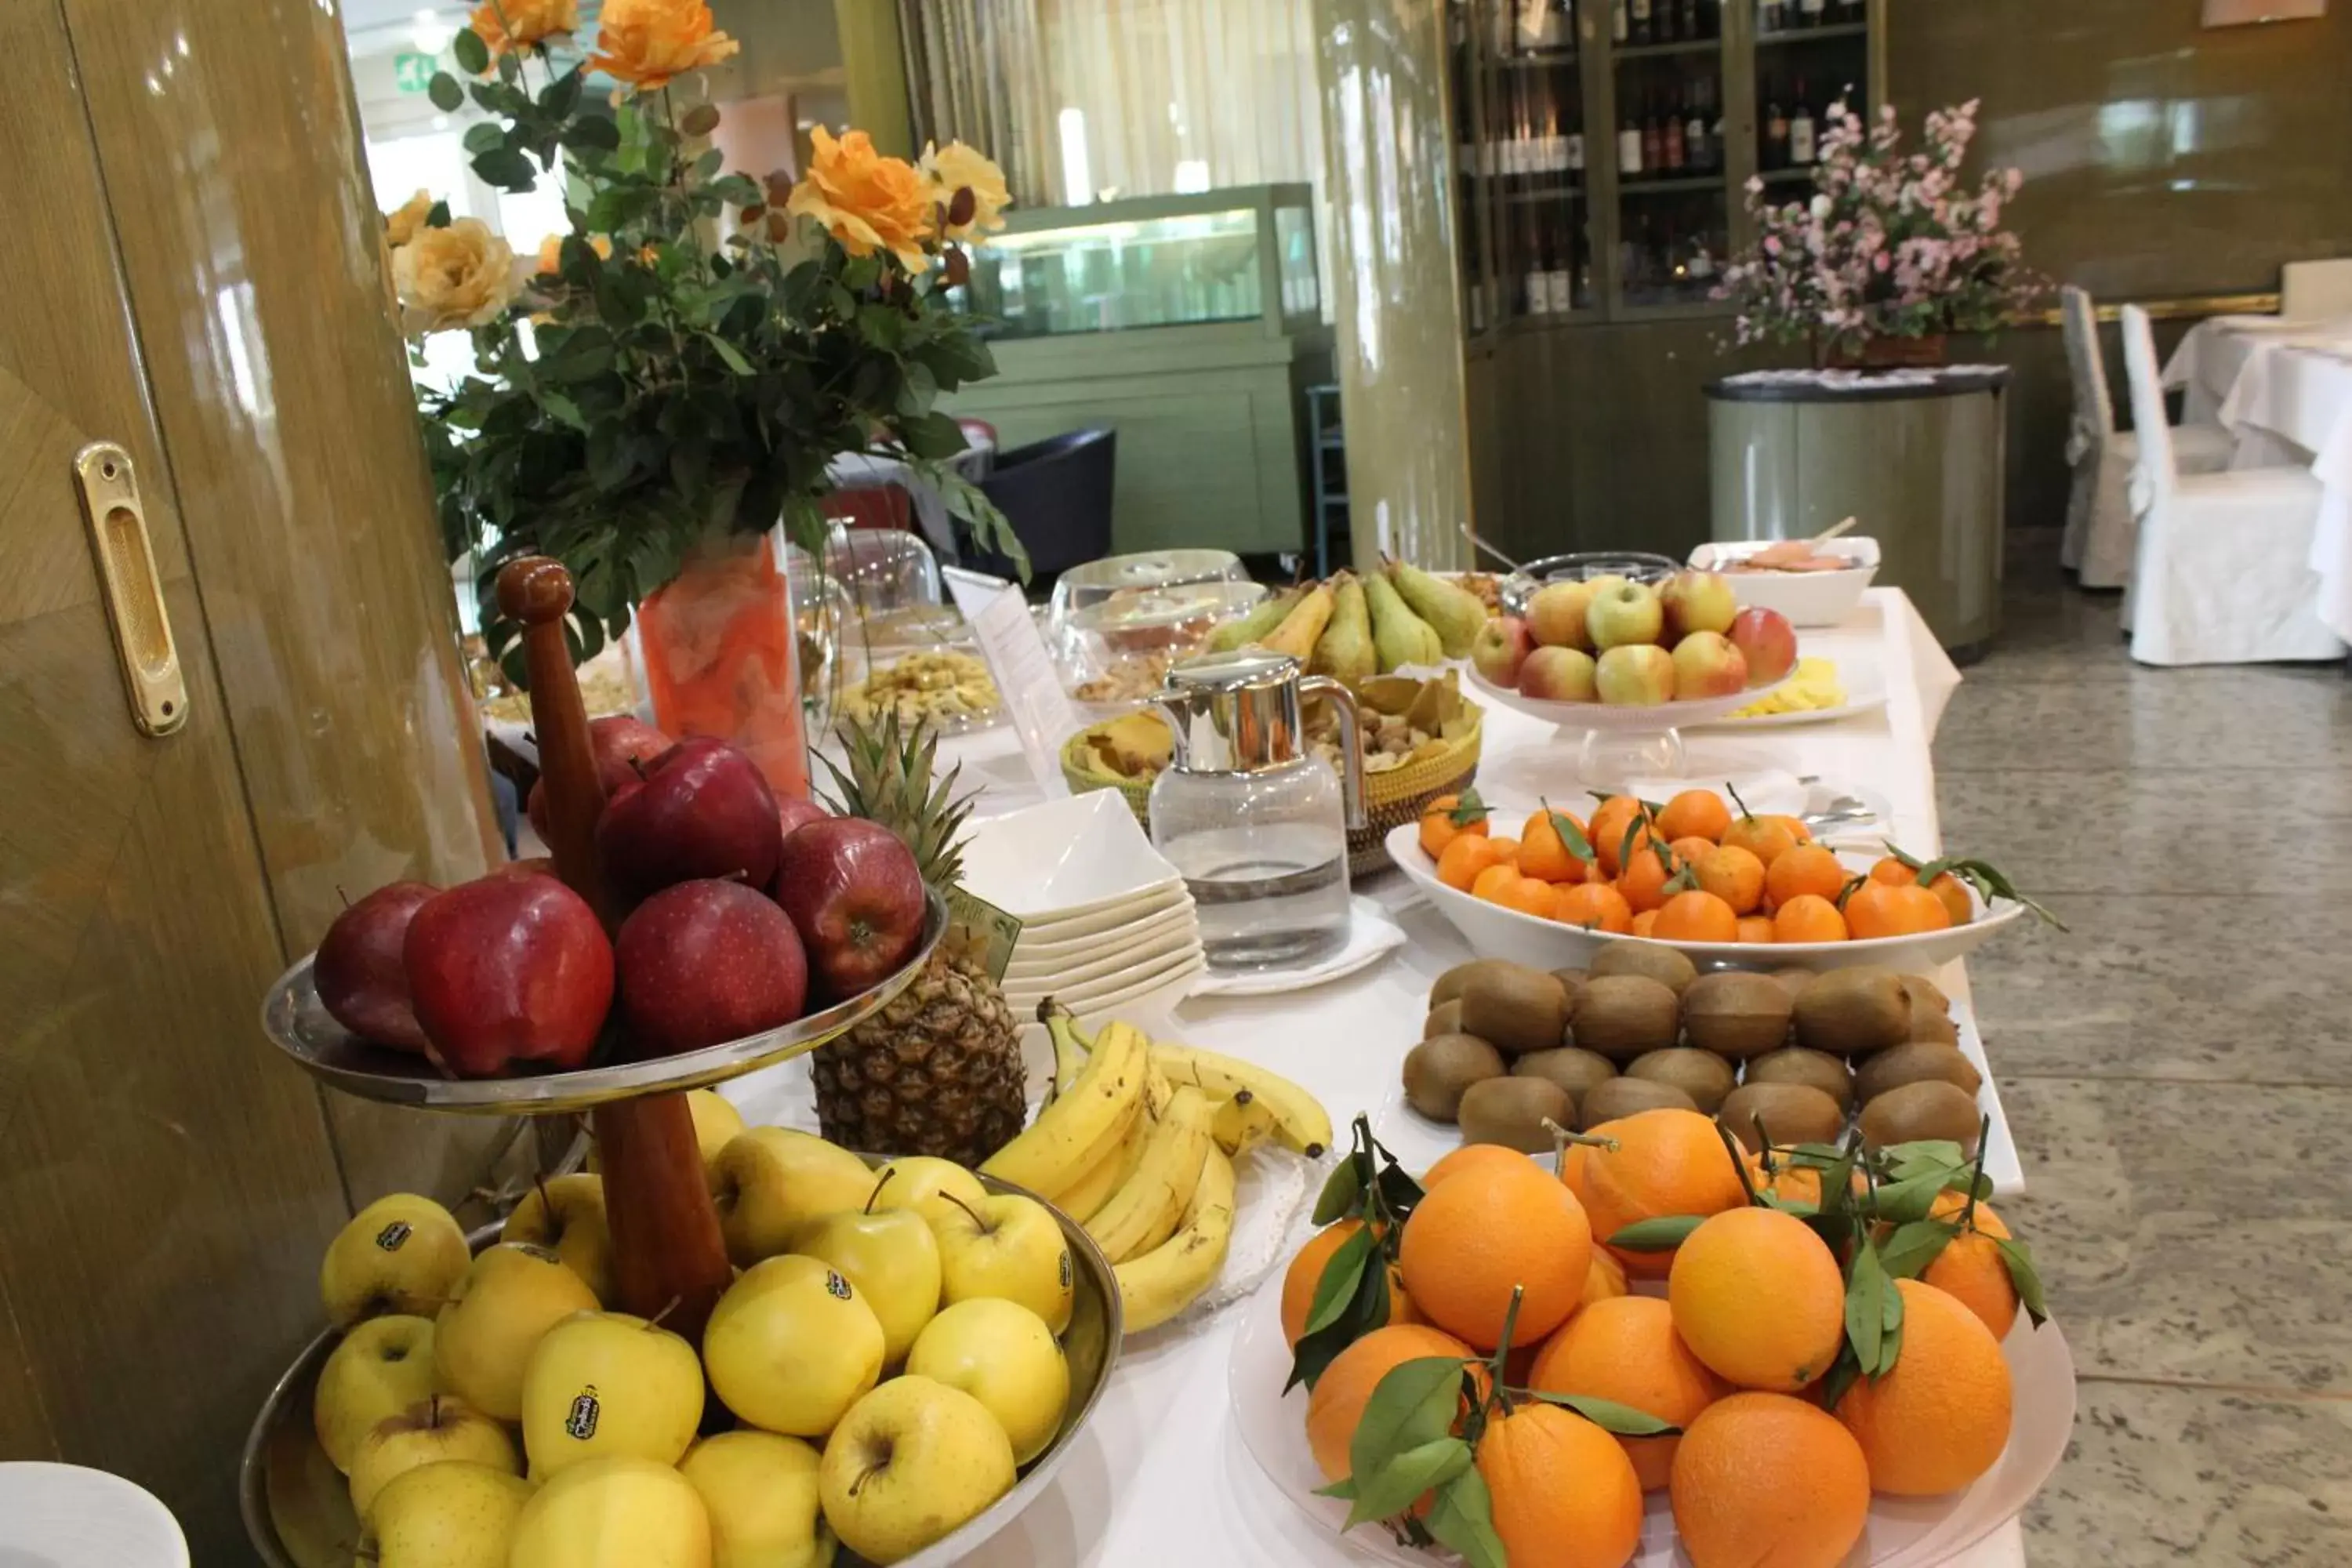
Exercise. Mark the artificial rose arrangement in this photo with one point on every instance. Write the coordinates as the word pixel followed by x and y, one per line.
pixel 678 369
pixel 1888 246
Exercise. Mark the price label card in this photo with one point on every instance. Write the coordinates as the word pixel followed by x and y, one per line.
pixel 1018 661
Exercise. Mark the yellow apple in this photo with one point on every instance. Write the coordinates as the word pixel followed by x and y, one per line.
pixel 605 1382
pixel 773 1179
pixel 452 1513
pixel 717 1123
pixel 910 1462
pixel 761 1489
pixel 924 1184
pixel 1008 1246
pixel 1004 1355
pixel 400 1254
pixel 792 1345
pixel 890 1256
pixel 427 1433
pixel 382 1366
pixel 566 1216
pixel 483 1338
pixel 619 1511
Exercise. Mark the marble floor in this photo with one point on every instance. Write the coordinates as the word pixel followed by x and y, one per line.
pixel 2175 1071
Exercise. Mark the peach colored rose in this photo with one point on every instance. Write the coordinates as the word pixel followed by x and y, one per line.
pixel 400 225
pixel 956 167
pixel 865 200
pixel 550 250
pixel 506 25
pixel 645 43
pixel 461 276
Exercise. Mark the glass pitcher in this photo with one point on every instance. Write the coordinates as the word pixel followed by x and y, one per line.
pixel 1256 822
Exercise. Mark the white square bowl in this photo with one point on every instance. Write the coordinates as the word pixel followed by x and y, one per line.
pixel 1118 954
pixel 1064 858
pixel 1807 599
pixel 1068 941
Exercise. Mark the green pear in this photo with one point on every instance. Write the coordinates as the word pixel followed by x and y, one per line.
pixel 761 1492
pixel 1248 629
pixel 566 1216
pixel 381 1368
pixel 890 1256
pixel 1399 637
pixel 400 1254
pixel 1345 651
pixel 605 1382
pixel 427 1433
pixel 1004 1355
pixel 1453 612
pixel 772 1181
pixel 792 1345
pixel 619 1511
pixel 452 1513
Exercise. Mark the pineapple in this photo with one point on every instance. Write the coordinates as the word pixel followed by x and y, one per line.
pixel 939 1070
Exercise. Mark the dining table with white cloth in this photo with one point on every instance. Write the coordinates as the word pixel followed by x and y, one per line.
pixel 1161 1475
pixel 2283 390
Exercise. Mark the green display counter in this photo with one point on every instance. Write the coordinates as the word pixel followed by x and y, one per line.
pixel 1917 456
pixel 1190 325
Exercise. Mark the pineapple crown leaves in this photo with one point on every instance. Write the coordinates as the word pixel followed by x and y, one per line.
pixel 888 781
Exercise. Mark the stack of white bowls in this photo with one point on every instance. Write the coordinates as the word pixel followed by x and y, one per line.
pixel 1107 928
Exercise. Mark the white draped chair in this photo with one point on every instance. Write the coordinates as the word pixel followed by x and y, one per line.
pixel 2316 291
pixel 2097 545
pixel 2221 572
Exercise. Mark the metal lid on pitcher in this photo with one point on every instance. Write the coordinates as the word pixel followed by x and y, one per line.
pixel 1234 712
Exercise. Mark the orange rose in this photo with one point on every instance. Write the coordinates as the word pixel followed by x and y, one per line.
pixel 550 251
pixel 401 223
pixel 506 25
pixel 462 276
pixel 956 167
pixel 865 201
pixel 644 43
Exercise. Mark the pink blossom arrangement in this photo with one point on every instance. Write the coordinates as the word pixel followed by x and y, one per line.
pixel 1890 245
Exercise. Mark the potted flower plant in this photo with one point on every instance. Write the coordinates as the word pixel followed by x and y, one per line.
pixel 657 395
pixel 1890 254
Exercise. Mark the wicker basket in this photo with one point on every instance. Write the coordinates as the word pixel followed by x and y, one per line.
pixel 1397 795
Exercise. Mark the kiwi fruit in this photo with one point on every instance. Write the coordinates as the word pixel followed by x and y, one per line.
pixel 1449 984
pixel 1578 1071
pixel 1663 965
pixel 1514 1008
pixel 1792 1113
pixel 1736 1014
pixel 1912 1063
pixel 1445 1018
pixel 1794 1064
pixel 1853 1011
pixel 1625 1016
pixel 1512 1111
pixel 1629 1097
pixel 1928 1109
pixel 1704 1076
pixel 1438 1069
pixel 1931 1012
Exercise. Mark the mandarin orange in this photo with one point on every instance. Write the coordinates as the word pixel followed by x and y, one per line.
pixel 1940 1419
pixel 1887 909
pixel 1470 853
pixel 1544 853
pixel 1643 880
pixel 1337 1404
pixel 1493 880
pixel 1484 1231
pixel 1805 868
pixel 1759 1299
pixel 1524 1458
pixel 1809 918
pixel 1762 837
pixel 1439 829
pixel 1970 1268
pixel 1626 1350
pixel 1755 929
pixel 1694 813
pixel 1595 906
pixel 1609 823
pixel 1733 875
pixel 1696 917
pixel 1665 1163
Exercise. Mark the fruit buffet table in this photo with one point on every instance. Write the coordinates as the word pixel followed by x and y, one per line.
pixel 1161 1475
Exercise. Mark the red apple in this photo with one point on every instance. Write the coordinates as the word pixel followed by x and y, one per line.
pixel 707 962
pixel 1769 643
pixel 1696 602
pixel 358 970
pixel 619 742
pixel 1556 615
pixel 793 814
pixel 1501 647
pixel 1558 675
pixel 509 968
pixel 1706 665
pixel 702 809
pixel 855 895
pixel 1635 674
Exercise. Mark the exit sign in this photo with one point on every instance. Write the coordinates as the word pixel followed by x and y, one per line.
pixel 412 72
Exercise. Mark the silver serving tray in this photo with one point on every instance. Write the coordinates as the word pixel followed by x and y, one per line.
pixel 300 1025
pixel 298 1508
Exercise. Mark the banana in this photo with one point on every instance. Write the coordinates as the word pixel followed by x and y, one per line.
pixel 1149 1204
pixel 1243 1124
pixel 1077 1129
pixel 1084 1199
pixel 1300 1121
pixel 1162 1283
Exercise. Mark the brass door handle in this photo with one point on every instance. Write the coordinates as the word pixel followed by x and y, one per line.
pixel 135 596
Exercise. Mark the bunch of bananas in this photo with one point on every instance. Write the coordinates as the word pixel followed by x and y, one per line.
pixel 1138 1143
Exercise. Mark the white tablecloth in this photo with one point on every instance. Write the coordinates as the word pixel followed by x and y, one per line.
pixel 2283 390
pixel 1161 1476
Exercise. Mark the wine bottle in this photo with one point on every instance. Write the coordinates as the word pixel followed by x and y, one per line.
pixel 1535 290
pixel 1629 141
pixel 1561 281
pixel 1674 152
pixel 1775 134
pixel 1574 142
pixel 1696 153
pixel 1771 15
pixel 1801 140
pixel 1644 24
pixel 1689 29
pixel 1654 141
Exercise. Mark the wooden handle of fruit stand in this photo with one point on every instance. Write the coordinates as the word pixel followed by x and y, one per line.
pixel 669 1258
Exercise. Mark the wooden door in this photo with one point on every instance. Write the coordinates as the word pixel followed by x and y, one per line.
pixel 165 1185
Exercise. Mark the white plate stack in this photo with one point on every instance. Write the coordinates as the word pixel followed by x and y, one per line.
pixel 1106 926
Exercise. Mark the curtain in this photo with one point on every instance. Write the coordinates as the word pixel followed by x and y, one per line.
pixel 975 74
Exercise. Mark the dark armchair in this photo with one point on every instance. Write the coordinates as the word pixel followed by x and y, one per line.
pixel 1056 494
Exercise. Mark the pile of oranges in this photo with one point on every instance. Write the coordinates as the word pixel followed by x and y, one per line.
pixel 1691 870
pixel 1733 1356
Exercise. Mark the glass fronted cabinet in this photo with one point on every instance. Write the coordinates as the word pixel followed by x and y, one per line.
pixel 1603 147
pixel 1233 255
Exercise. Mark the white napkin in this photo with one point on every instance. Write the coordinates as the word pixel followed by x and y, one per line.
pixel 1370 936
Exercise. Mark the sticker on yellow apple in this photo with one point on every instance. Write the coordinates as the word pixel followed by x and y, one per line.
pixel 605 1382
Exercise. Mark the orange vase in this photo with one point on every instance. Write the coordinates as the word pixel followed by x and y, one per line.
pixel 721 660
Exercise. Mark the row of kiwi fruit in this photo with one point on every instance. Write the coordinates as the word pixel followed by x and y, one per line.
pixel 1507 1047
